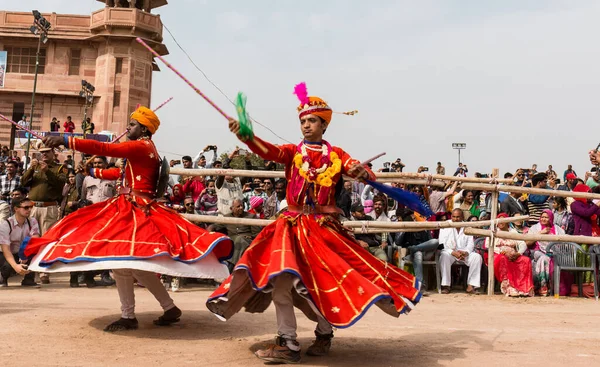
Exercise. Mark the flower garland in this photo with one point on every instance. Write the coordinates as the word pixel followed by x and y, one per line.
pixel 323 176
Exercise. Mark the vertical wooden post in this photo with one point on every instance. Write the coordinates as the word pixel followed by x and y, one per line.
pixel 490 254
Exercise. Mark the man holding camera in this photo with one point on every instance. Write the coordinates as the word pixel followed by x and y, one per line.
pixel 12 232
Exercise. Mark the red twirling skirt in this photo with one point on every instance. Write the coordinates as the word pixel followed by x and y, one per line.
pixel 337 276
pixel 121 229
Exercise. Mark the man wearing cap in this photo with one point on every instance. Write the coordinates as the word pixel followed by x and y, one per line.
pixel 306 258
pixel 46 180
pixel 369 241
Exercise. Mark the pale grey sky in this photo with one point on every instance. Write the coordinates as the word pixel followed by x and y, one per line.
pixel 517 80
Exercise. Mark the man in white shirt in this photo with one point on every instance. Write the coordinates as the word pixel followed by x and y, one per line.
pixel 96 189
pixel 459 247
pixel 12 232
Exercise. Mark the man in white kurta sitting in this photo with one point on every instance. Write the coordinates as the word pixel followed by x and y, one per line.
pixel 459 247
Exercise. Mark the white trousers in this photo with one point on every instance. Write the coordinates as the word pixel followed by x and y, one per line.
pixel 284 309
pixel 125 279
pixel 473 262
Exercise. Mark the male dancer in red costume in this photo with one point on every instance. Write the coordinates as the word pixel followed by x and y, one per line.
pixel 306 258
pixel 131 233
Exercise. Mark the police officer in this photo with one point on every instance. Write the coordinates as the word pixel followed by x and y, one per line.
pixel 46 180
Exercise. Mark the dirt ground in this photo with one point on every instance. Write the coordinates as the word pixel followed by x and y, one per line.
pixel 58 326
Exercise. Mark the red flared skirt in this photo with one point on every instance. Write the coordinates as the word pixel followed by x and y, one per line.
pixel 342 279
pixel 121 229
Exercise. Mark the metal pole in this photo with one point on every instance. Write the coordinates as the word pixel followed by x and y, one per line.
pixel 459 156
pixel 37 64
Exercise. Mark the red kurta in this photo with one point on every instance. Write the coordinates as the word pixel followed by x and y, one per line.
pixel 128 227
pixel 339 277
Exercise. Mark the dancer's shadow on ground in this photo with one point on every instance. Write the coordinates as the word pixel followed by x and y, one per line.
pixel 196 325
pixel 427 349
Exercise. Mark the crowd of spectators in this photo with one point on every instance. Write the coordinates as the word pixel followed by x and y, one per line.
pixel 264 198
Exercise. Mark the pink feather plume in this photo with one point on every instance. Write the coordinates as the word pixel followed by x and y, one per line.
pixel 301 92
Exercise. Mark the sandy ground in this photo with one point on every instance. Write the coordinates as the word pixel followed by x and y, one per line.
pixel 58 326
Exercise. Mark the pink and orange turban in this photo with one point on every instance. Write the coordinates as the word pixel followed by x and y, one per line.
pixel 312 105
pixel 146 117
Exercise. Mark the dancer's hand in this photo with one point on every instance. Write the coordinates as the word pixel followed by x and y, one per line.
pixel 234 127
pixel 53 141
pixel 358 171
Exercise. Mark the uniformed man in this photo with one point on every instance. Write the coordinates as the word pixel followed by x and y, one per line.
pixel 46 180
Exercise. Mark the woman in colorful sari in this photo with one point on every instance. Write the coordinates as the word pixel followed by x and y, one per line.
pixel 511 268
pixel 542 265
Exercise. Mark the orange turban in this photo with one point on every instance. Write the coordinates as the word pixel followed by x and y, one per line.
pixel 146 117
pixel 315 106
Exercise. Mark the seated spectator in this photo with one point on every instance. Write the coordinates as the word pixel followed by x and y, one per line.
pixel 369 241
pixel 469 205
pixel 257 207
pixel 12 233
pixel 514 204
pixel 542 269
pixel 176 200
pixel 207 202
pixel 562 217
pixel 459 247
pixel 511 268
pixel 420 245
pixel 241 234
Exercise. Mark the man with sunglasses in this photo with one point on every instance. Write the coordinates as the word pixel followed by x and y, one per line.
pixel 12 232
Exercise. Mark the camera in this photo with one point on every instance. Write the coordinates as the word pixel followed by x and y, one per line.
pixel 386 164
pixel 212 147
pixel 424 169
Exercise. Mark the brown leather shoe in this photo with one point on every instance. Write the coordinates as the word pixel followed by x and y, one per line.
pixel 472 290
pixel 445 290
pixel 320 347
pixel 279 352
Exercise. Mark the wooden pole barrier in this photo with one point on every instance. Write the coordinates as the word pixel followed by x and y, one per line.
pixel 534 237
pixel 439 177
pixel 529 190
pixel 490 254
pixel 387 226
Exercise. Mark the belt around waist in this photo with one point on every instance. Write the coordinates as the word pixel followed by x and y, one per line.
pixel 43 204
pixel 128 191
pixel 317 209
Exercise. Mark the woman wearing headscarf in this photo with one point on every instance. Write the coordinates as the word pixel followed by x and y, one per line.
pixel 511 268
pixel 542 264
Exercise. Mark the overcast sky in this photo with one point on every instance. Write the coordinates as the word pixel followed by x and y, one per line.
pixel 518 81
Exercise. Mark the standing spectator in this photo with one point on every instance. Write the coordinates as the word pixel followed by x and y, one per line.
pixel 54 125
pixel 567 171
pixel 533 170
pixel 437 197
pixel 12 233
pixel 88 126
pixel 274 203
pixel 256 190
pixel 10 181
pixel 70 195
pixel 97 189
pixel 207 202
pixel 583 210
pixel 69 125
pixel 537 203
pixel 200 159
pixel 46 180
pixel 354 196
pixel 69 162
pixel 551 173
pixel 459 246
pixel 440 170
pixel 514 204
pixel 4 155
pixel 562 217
pixel 229 188
pixel 397 166
pixel 23 122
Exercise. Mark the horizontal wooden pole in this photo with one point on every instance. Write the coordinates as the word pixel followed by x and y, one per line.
pixel 529 190
pixel 388 226
pixel 388 176
pixel 533 237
